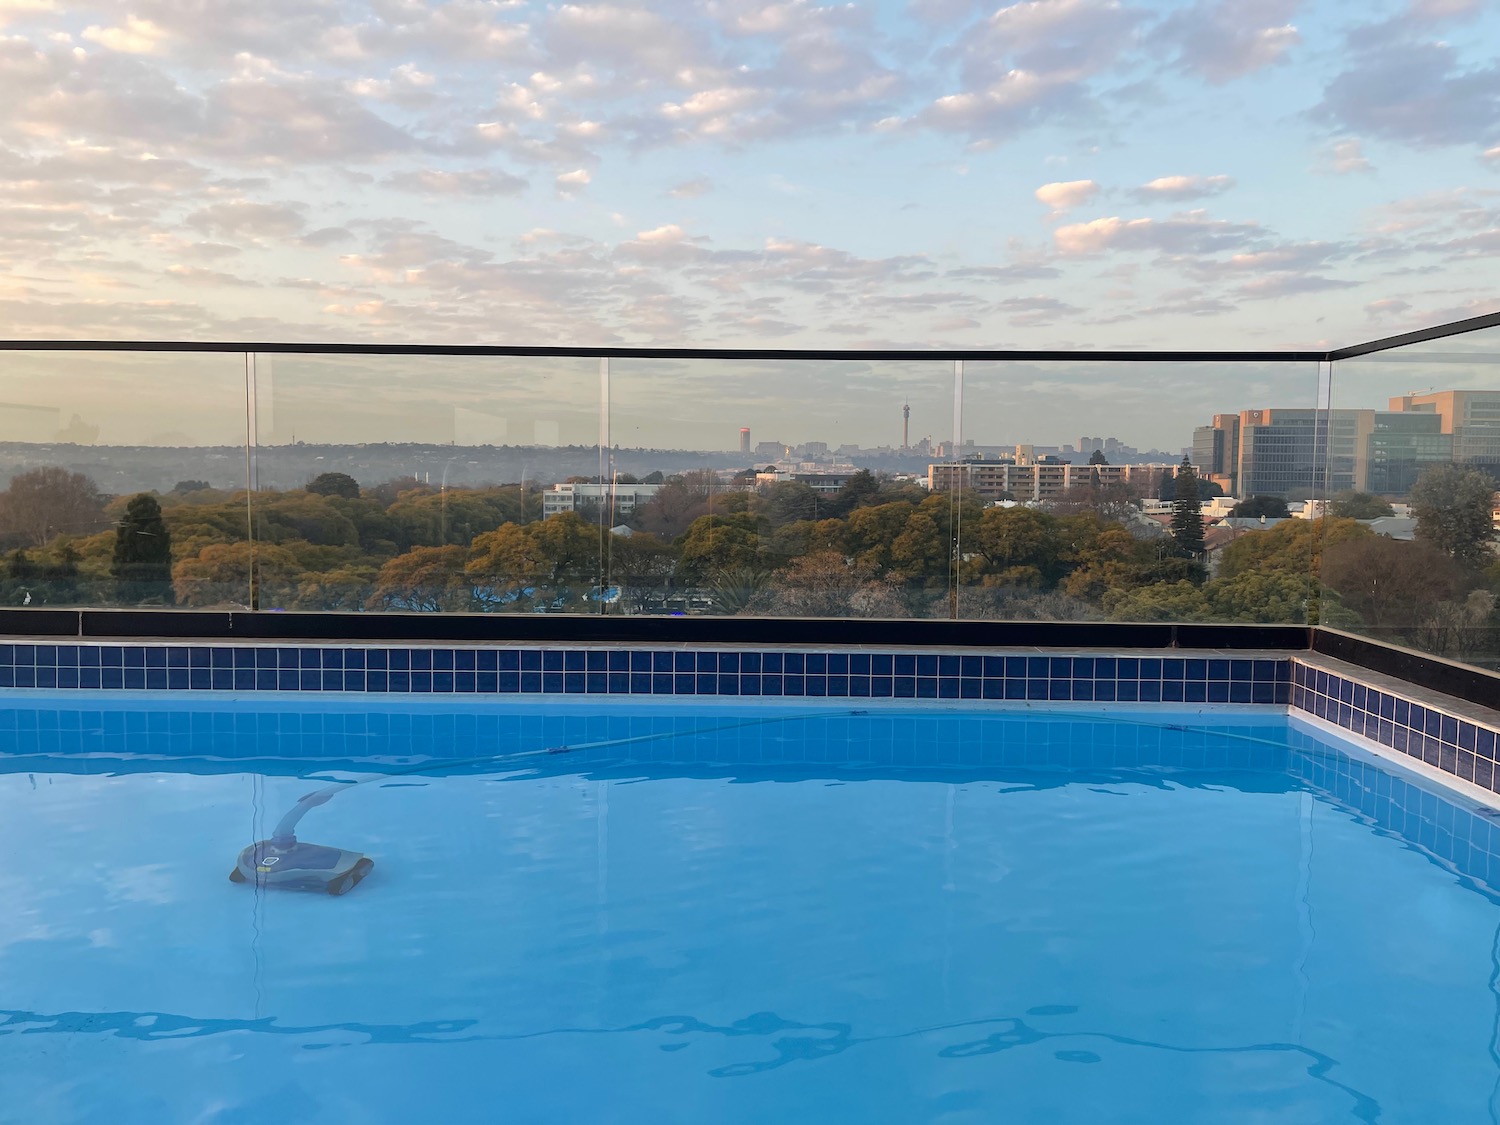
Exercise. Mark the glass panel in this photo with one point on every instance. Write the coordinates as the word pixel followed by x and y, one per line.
pixel 1419 568
pixel 416 483
pixel 1071 470
pixel 121 469
pixel 777 487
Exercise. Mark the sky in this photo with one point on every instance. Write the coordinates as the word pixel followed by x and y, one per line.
pixel 1049 173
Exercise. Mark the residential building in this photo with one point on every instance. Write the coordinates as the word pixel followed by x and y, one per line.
pixel 622 499
pixel 1045 478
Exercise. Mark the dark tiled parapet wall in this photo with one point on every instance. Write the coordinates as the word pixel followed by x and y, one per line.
pixel 675 672
pixel 1448 734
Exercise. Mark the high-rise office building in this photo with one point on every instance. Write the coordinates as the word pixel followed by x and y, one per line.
pixel 1470 418
pixel 745 439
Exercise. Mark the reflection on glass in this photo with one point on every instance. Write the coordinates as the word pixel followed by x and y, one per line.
pixel 779 488
pixel 418 483
pixel 119 469
pixel 1414 562
pixel 1136 491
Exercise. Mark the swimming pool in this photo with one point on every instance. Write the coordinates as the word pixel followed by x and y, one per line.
pixel 892 916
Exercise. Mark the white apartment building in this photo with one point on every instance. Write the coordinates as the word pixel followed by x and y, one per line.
pixel 622 499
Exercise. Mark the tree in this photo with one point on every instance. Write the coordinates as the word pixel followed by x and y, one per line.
pixel 1351 505
pixel 1455 513
pixel 1394 586
pixel 825 584
pixel 46 502
pixel 1098 458
pixel 191 486
pixel 142 563
pixel 425 579
pixel 860 489
pixel 1187 515
pixel 334 484
pixel 1261 507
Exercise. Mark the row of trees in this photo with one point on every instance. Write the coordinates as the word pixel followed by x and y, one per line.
pixel 877 548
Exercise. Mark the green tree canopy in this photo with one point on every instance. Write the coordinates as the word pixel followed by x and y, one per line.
pixel 1352 505
pixel 334 484
pixel 142 562
pixel 1256 507
pixel 1187 514
pixel 1454 508
pixel 1098 458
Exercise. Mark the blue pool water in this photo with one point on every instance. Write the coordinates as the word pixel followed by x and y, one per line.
pixel 894 917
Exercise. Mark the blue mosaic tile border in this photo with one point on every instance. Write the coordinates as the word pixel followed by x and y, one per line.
pixel 645 672
pixel 1457 745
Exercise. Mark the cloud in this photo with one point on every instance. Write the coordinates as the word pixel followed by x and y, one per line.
pixel 1221 40
pixel 136 37
pixel 195 276
pixel 1065 196
pixel 570 182
pixel 1290 285
pixel 1414 91
pixel 1344 158
pixel 1189 233
pixel 1491 155
pixel 1386 308
pixel 243 218
pixel 1179 188
pixel 692 189
pixel 477 182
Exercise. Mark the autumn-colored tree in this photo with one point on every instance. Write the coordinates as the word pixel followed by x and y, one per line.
pixel 825 584
pixel 1394 586
pixel 47 502
pixel 425 580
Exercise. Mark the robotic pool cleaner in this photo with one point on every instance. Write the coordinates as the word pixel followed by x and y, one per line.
pixel 287 863
pixel 292 864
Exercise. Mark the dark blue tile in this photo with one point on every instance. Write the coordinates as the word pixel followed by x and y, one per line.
pixel 663 683
pixel 552 660
pixel 750 683
pixel 927 686
pixel 596 683
pixel 68 677
pixel 134 656
pixel 729 663
pixel 994 687
pixel 487 683
pixel 88 656
pixel 859 663
pixel 531 659
pixel 970 687
pixel 1015 689
pixel 904 664
pixel 26 676
pixel 1015 667
pixel 838 663
pixel 1346 691
pixel 1059 689
pixel 552 682
pixel 927 665
pixel 750 663
pixel 1083 689
pixel 511 682
pixel 640 661
pixel 87 677
pixel 1150 691
pixel 531 682
pixel 1360 692
pixel 618 660
pixel 574 683
pixel 156 657
pixel 1242 691
pixel 1195 669
pixel 816 664
pixel 109 678
pixel 1105 667
pixel 1467 736
pixel 728 683
pixel 331 680
pixel 463 659
pixel 794 663
pixel 618 683
pixel 135 678
pixel 420 659
pixel 838 686
pixel 421 681
pixel 399 659
pixel 949 666
pixel 218 658
pixel 1484 743
pixel 707 683
pixel 287 679
pixel 1240 671
pixel 706 662
pixel 1218 670
pixel 1150 668
pixel 1218 691
pixel 442 660
pixel 574 660
pixel 793 684
pixel 1172 669
pixel 1104 690
pixel 773 663
pixel 222 678
pixel 667 662
pixel 1036 689
pixel 1264 669
pixel 444 682
pixel 815 686
pixel 45 656
pixel 157 679
pixel 1387 706
pixel 377 659
pixel 199 679
pixel 882 687
pixel 948 687
pixel 354 679
pixel 640 683
pixel 308 679
pixel 487 660
pixel 904 687
pixel 684 661
pixel 506 660
pixel 1484 773
pixel 1449 731
pixel 1083 667
pixel 1060 668
pixel 883 664
pixel 377 681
